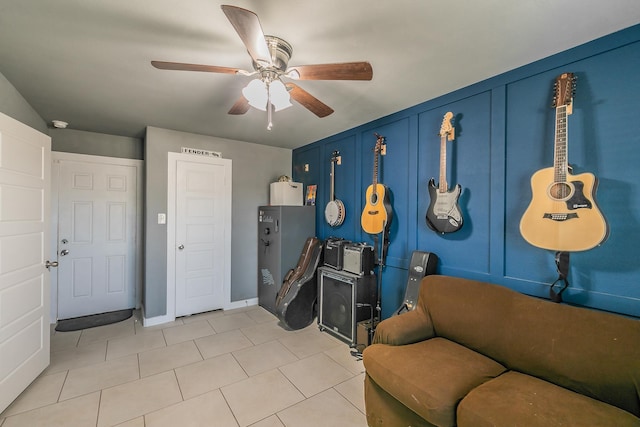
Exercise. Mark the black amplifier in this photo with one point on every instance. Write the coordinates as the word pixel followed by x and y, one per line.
pixel 358 259
pixel 334 252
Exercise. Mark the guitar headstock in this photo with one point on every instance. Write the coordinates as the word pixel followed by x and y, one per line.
pixel 335 157
pixel 446 129
pixel 381 146
pixel 564 89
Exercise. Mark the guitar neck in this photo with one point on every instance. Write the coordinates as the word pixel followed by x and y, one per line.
pixel 442 185
pixel 375 171
pixel 560 162
pixel 332 187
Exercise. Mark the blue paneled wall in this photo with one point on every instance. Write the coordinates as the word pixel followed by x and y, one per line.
pixel 504 133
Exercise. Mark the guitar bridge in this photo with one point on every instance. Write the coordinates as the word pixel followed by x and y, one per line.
pixel 560 216
pixel 373 212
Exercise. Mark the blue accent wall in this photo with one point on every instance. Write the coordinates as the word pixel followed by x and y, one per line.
pixel 504 133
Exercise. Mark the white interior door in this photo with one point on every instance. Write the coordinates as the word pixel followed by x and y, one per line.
pixel 202 234
pixel 24 242
pixel 97 221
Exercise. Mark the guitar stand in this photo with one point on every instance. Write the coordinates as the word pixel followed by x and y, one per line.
pixel 562 267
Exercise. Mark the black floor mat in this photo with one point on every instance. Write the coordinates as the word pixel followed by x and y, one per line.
pixel 92 321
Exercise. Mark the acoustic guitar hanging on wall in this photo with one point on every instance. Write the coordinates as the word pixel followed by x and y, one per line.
pixel 377 214
pixel 563 215
pixel 334 212
pixel 443 213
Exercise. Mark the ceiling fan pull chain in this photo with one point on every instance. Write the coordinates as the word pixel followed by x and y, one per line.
pixel 270 123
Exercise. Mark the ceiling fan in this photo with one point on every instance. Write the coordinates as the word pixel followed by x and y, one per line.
pixel 270 58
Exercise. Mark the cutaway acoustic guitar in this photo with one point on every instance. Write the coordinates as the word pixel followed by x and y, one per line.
pixel 563 215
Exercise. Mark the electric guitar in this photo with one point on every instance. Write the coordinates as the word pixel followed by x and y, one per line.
pixel 563 215
pixel 377 214
pixel 443 213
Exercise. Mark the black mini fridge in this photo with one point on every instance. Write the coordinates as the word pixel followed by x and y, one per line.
pixel 282 232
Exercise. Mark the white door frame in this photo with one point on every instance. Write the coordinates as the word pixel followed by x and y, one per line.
pixel 56 157
pixel 173 159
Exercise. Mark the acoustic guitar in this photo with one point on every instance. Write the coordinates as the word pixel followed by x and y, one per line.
pixel 334 212
pixel 563 215
pixel 377 214
pixel 443 213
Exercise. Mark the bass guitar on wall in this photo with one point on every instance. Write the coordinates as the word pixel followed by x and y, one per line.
pixel 377 214
pixel 563 215
pixel 443 213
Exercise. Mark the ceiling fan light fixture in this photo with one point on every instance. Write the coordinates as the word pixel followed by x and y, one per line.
pixel 256 93
pixel 279 96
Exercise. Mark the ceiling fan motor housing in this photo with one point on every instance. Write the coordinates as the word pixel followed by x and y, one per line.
pixel 280 51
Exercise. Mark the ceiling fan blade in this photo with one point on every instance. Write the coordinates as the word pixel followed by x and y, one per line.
pixel 248 27
pixel 240 107
pixel 341 71
pixel 308 101
pixel 193 67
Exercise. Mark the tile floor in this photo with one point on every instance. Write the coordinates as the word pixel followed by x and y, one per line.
pixel 233 368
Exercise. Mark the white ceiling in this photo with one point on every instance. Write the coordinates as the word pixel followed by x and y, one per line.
pixel 88 62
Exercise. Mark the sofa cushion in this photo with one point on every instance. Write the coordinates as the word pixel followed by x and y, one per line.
pixel 516 399
pixel 429 377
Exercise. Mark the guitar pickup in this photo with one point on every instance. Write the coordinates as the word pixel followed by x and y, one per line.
pixel 560 216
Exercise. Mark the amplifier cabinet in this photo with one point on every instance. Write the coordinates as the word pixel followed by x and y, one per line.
pixel 339 294
pixel 334 252
pixel 358 259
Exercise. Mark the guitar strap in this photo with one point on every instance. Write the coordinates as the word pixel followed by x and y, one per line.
pixel 562 267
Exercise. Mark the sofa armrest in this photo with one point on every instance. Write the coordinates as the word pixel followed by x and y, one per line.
pixel 406 328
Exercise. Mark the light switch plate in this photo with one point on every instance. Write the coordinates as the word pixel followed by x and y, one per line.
pixel 162 218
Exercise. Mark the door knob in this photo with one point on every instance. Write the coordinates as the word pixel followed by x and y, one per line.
pixel 64 252
pixel 50 264
pixel 181 247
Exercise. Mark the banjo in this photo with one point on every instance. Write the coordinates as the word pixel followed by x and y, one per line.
pixel 334 212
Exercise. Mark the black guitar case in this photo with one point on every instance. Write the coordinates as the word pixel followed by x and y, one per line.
pixel 296 300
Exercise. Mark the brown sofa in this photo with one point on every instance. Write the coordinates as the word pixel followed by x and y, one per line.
pixel 477 354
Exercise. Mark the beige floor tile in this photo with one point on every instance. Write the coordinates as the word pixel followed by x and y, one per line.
pixel 226 342
pixel 315 374
pixel 325 409
pixel 167 358
pixel 64 340
pixel 261 315
pixel 42 392
pixel 229 322
pixel 307 344
pixel 248 398
pixel 104 333
pixel 77 357
pixel 124 346
pixel 272 421
pixel 136 422
pixel 102 375
pixel 353 391
pixel 83 408
pixel 264 332
pixel 130 400
pixel 141 329
pixel 187 332
pixel 342 355
pixel 210 374
pixel 264 357
pixel 209 409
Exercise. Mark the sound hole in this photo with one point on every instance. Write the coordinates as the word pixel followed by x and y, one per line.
pixel 560 190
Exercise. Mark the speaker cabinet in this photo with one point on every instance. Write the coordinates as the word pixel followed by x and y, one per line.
pixel 340 294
